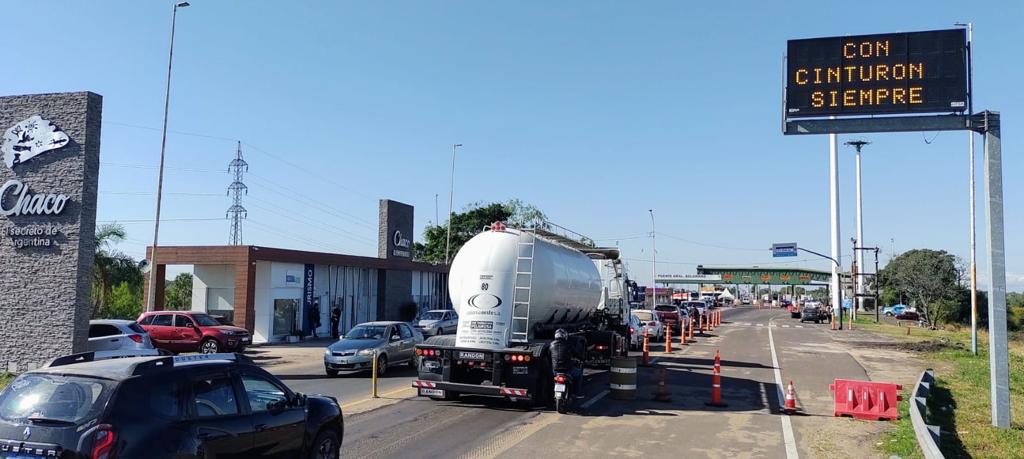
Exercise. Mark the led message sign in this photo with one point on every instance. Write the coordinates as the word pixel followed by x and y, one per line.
pixel 916 72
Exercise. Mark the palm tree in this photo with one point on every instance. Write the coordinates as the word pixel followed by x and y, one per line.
pixel 107 260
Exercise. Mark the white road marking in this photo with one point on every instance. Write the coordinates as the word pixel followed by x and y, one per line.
pixel 799 326
pixel 760 325
pixel 594 400
pixel 785 326
pixel 787 425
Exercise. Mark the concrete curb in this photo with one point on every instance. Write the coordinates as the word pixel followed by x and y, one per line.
pixel 927 435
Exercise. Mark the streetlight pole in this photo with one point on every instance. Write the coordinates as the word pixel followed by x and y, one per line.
pixel 451 192
pixel 654 263
pixel 858 281
pixel 833 162
pixel 151 298
pixel 970 145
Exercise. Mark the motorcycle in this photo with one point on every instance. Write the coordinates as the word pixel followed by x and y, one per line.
pixel 563 392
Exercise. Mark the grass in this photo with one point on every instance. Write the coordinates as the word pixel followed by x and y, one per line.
pixel 4 379
pixel 960 403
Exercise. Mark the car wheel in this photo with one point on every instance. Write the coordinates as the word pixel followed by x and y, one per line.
pixel 382 365
pixel 326 446
pixel 331 373
pixel 209 346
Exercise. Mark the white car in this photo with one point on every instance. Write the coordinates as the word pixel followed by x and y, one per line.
pixel 117 335
pixel 648 320
pixel 437 322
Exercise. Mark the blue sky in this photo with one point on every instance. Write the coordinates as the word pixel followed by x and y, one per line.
pixel 594 111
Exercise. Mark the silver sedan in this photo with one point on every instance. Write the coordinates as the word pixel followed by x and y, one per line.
pixel 393 343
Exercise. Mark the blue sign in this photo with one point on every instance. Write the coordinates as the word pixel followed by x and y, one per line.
pixel 784 250
pixel 308 298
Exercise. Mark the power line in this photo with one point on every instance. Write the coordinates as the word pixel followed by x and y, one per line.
pixel 309 200
pixel 305 221
pixel 716 246
pixel 316 244
pixel 150 193
pixel 150 220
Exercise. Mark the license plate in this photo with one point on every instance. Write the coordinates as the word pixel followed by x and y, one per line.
pixel 432 392
pixel 471 355
pixel 431 364
pixel 559 387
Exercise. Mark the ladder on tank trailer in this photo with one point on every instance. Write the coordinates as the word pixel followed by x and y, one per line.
pixel 524 282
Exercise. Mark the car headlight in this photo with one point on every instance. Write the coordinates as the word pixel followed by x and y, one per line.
pixel 366 351
pixel 327 352
pixel 228 332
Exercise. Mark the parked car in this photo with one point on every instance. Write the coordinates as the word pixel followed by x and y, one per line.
pixel 185 407
pixel 394 343
pixel 670 315
pixel 193 331
pixel 908 315
pixel 438 322
pixel 111 335
pixel 812 312
pixel 648 320
pixel 894 310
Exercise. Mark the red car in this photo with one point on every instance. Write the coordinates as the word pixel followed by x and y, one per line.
pixel 191 331
pixel 671 316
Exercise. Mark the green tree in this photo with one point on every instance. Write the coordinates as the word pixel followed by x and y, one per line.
pixel 929 278
pixel 125 302
pixel 178 294
pixel 471 222
pixel 110 266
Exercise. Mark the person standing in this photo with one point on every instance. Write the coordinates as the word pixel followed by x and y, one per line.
pixel 314 317
pixel 335 321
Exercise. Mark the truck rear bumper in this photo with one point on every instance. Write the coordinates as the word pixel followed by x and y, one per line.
pixel 494 391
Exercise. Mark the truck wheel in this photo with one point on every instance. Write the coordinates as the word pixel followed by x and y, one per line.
pixel 414 363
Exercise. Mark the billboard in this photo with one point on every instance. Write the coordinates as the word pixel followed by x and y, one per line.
pixel 915 72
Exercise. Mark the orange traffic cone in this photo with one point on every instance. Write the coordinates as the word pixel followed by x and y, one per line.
pixel 790 406
pixel 647 350
pixel 668 338
pixel 716 384
pixel 691 328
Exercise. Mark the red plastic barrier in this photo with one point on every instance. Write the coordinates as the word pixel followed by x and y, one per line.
pixel 866 399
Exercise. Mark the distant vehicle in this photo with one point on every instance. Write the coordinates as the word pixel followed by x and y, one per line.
pixel 193 331
pixel 111 335
pixel 671 316
pixel 794 311
pixel 894 310
pixel 908 315
pixel 437 322
pixel 649 321
pixel 394 343
pixel 812 312
pixel 163 407
pixel 745 300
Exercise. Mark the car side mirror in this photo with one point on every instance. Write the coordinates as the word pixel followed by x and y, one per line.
pixel 395 338
pixel 298 399
pixel 276 406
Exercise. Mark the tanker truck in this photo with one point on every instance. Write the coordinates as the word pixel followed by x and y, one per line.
pixel 512 290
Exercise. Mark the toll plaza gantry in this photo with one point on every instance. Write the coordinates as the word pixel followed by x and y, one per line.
pixel 754 276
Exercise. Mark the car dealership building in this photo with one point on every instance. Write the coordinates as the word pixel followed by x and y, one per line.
pixel 275 293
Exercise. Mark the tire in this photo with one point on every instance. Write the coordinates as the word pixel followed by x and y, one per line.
pixel 561 406
pixel 327 445
pixel 438 332
pixel 331 373
pixel 209 346
pixel 414 363
pixel 382 365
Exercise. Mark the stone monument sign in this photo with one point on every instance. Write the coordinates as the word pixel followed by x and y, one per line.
pixel 50 153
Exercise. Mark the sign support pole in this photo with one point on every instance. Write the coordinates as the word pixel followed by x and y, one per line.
pixel 833 169
pixel 999 365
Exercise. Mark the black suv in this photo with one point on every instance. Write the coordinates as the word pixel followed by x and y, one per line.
pixel 193 406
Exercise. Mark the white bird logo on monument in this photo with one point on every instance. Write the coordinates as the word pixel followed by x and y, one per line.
pixel 30 138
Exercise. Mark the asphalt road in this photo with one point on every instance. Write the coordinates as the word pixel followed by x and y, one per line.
pixel 399 424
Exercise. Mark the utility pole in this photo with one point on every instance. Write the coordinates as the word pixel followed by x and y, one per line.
pixel 451 192
pixel 151 297
pixel 858 257
pixel 654 263
pixel 236 212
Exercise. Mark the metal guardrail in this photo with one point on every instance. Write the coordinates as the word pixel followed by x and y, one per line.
pixel 927 435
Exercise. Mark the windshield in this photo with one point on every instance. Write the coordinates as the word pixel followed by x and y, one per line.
pixel 644 315
pixel 665 308
pixel 432 315
pixel 53 398
pixel 366 332
pixel 697 304
pixel 205 321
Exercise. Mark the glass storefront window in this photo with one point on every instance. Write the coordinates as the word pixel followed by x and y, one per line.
pixel 286 315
